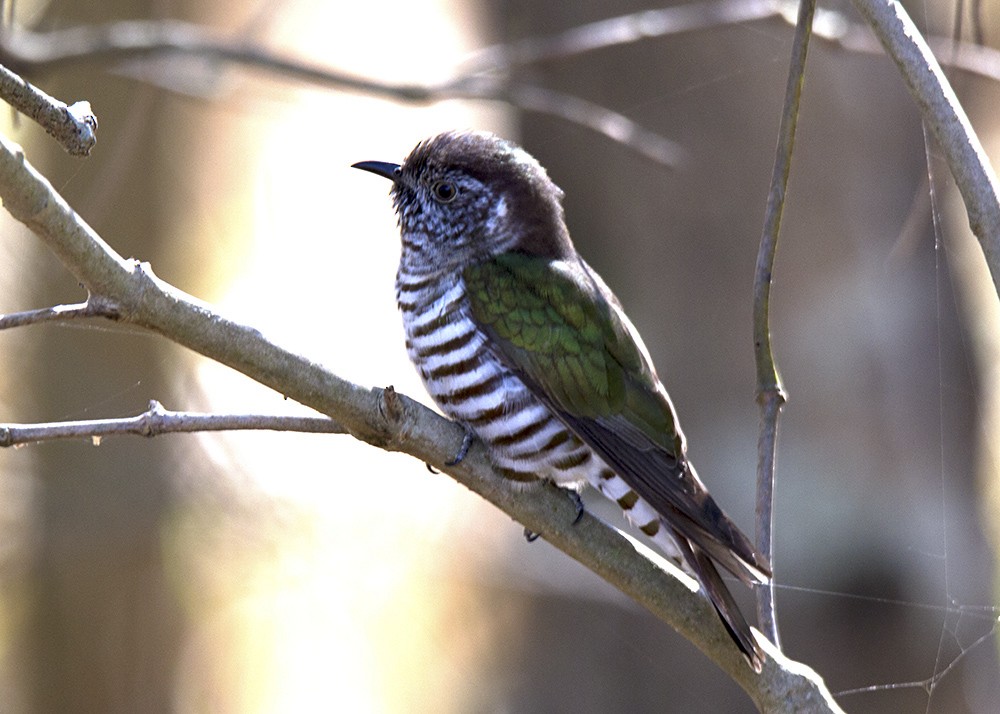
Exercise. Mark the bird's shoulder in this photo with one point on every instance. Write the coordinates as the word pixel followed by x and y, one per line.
pixel 558 326
pixel 513 291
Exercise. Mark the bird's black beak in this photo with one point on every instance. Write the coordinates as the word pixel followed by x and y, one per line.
pixel 382 168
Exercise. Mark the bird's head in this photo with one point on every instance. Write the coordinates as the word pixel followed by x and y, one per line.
pixel 462 197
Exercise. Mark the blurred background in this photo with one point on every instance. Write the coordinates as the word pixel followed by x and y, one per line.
pixel 284 572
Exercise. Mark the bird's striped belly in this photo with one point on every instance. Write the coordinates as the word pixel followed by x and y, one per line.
pixel 471 386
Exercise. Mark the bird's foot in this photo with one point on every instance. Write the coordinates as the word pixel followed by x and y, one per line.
pixel 531 536
pixel 578 503
pixel 463 450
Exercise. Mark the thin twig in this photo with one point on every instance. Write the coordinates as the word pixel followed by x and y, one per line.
pixel 137 39
pixel 158 420
pixel 74 126
pixel 611 124
pixel 770 394
pixel 621 30
pixel 30 52
pixel 57 313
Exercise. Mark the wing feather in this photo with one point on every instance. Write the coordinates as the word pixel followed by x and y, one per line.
pixel 558 327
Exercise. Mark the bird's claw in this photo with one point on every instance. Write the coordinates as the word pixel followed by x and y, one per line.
pixel 463 450
pixel 578 502
pixel 531 536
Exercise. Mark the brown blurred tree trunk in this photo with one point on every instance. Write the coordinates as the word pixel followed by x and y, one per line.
pixel 102 625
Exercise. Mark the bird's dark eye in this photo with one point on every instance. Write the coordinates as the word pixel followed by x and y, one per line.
pixel 444 191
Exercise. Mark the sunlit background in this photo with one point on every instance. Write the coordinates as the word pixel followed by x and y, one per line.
pixel 265 572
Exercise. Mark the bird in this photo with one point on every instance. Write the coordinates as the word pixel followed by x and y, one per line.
pixel 521 342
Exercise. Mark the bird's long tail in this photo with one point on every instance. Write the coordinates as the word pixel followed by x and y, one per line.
pixel 729 612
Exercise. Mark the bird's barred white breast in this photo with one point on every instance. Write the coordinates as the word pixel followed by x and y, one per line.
pixel 532 424
pixel 448 345
pixel 441 305
pixel 471 385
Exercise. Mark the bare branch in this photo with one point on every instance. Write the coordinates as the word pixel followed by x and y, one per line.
pixel 624 29
pixel 74 126
pixel 158 420
pixel 58 313
pixel 770 393
pixel 32 52
pixel 977 59
pixel 944 115
pixel 131 40
pixel 611 124
pixel 394 422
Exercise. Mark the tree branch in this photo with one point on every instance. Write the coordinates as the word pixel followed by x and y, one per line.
pixel 393 422
pixel 621 30
pixel 58 313
pixel 157 420
pixel 770 393
pixel 33 52
pixel 944 115
pixel 74 126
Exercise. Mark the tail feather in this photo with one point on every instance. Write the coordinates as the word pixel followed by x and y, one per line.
pixel 720 597
pixel 746 564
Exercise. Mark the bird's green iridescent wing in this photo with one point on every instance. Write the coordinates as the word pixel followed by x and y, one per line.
pixel 561 331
